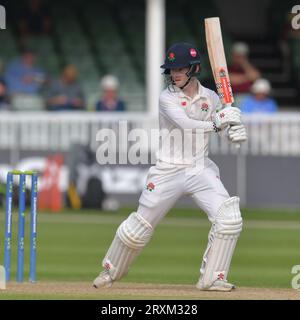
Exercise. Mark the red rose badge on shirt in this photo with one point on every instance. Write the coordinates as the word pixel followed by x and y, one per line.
pixel 204 107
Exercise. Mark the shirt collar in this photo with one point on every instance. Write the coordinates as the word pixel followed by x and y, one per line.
pixel 201 92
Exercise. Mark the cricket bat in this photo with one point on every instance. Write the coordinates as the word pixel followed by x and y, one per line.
pixel 217 60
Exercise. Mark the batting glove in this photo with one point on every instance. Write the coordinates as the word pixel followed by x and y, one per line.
pixel 228 116
pixel 237 133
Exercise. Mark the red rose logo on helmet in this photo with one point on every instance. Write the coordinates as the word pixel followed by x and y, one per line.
pixel 183 103
pixel 193 53
pixel 150 186
pixel 171 56
pixel 204 107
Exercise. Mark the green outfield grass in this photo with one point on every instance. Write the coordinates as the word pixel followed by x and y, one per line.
pixel 71 245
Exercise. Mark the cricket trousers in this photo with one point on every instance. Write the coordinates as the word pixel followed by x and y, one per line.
pixel 166 183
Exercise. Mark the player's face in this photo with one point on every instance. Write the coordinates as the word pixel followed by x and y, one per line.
pixel 179 76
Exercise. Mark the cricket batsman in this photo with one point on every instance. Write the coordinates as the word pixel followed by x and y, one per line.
pixel 186 106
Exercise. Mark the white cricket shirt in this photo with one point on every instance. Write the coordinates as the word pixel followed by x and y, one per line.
pixel 192 118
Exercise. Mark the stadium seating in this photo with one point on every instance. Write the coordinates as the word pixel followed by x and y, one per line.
pixel 295 50
pixel 108 37
pixel 8 51
pixel 105 37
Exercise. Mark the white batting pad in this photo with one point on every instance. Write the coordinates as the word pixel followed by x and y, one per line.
pixel 132 235
pixel 221 243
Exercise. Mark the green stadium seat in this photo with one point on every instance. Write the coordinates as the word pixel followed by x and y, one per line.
pixel 9 50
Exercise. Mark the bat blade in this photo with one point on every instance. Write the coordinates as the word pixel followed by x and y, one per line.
pixel 217 59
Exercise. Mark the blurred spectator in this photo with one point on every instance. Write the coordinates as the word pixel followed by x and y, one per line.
pixel 23 76
pixel 259 101
pixel 24 82
pixel 35 19
pixel 3 96
pixel 242 72
pixel 66 93
pixel 110 100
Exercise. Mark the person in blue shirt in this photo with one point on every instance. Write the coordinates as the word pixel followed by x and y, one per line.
pixel 259 101
pixel 22 76
pixel 110 100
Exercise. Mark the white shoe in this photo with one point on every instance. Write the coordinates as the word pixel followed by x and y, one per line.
pixel 218 285
pixel 103 280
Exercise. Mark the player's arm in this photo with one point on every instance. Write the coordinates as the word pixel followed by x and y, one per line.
pixel 180 119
